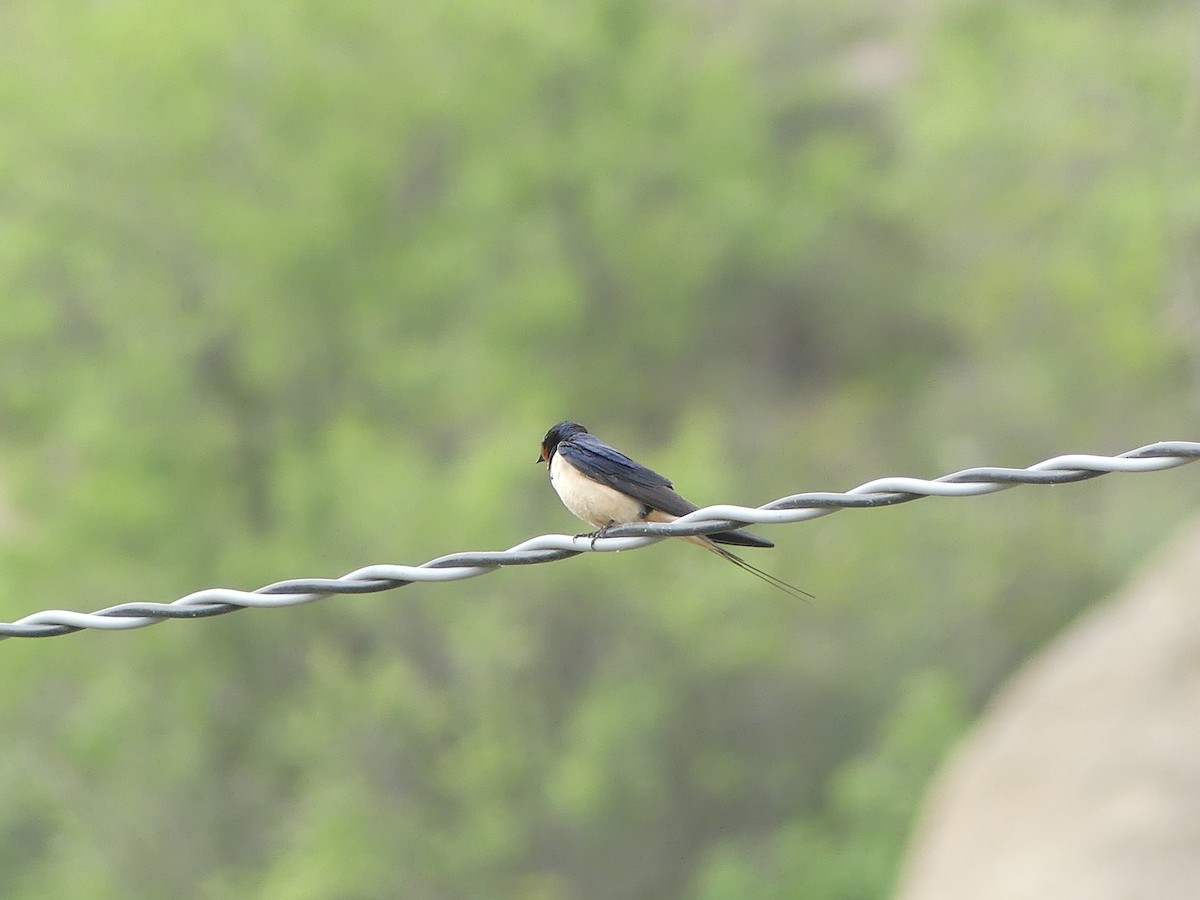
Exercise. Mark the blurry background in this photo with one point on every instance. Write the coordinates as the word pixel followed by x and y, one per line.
pixel 286 289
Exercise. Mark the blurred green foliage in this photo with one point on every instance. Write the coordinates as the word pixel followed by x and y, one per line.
pixel 292 288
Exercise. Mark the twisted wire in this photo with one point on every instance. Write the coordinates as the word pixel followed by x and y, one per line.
pixel 553 547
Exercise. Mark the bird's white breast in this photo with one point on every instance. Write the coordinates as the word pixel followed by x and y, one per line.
pixel 593 502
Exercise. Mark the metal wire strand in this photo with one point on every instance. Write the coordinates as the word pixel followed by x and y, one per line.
pixel 553 547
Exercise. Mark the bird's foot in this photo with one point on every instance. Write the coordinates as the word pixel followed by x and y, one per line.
pixel 596 535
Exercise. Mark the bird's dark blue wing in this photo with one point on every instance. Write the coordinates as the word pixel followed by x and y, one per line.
pixel 607 465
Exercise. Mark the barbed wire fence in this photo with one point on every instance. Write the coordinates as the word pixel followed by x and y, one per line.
pixel 553 547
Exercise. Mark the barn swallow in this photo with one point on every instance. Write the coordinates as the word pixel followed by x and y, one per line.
pixel 604 487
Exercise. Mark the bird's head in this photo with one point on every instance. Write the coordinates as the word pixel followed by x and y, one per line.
pixel 558 433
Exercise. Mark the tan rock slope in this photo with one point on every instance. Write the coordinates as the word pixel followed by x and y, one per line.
pixel 1083 780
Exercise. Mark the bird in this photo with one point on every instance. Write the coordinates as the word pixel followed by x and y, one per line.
pixel 604 487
